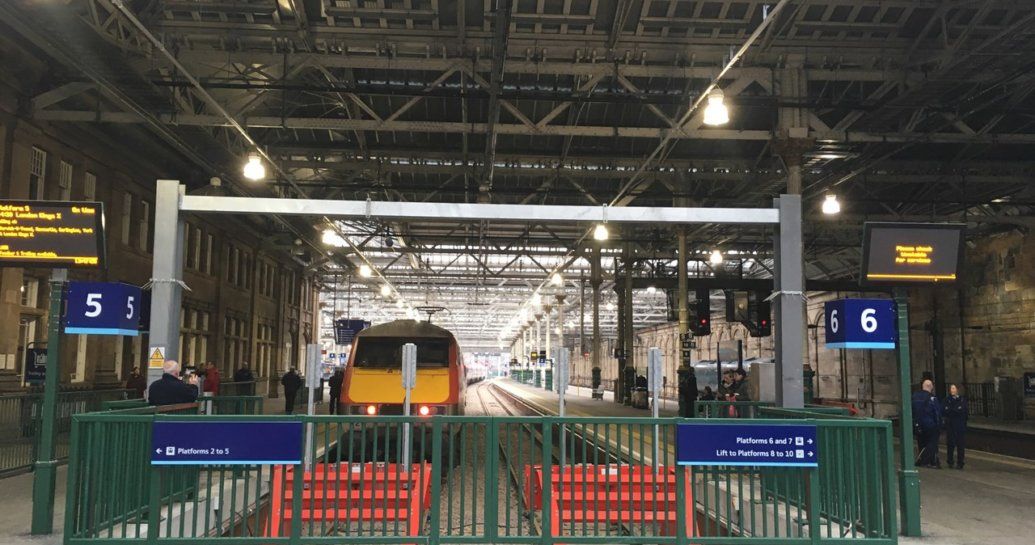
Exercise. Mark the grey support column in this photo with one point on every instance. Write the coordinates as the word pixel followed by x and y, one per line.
pixel 789 303
pixel 682 302
pixel 166 273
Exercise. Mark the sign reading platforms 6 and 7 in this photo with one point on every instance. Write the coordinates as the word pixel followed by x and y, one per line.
pixel 861 323
pixel 102 308
pixel 226 443
pixel 774 445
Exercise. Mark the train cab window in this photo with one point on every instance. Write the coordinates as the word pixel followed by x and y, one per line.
pixel 386 352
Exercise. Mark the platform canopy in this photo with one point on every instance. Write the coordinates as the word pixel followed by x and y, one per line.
pixel 905 109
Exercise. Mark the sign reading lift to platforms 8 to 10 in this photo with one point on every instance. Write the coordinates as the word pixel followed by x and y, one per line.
pixel 52 234
pixel 775 445
pixel 226 443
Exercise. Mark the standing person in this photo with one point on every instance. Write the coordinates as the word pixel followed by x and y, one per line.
pixel 291 383
pixel 211 384
pixel 244 374
pixel 170 390
pixel 927 417
pixel 956 427
pixel 335 382
pixel 688 392
pixel 136 382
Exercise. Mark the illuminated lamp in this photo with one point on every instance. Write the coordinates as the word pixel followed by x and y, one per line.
pixel 830 205
pixel 716 112
pixel 371 410
pixel 424 410
pixel 600 232
pixel 715 258
pixel 254 169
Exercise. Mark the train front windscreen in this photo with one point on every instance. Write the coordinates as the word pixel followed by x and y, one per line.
pixel 386 352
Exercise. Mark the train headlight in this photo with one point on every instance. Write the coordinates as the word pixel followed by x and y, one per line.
pixel 424 410
pixel 371 410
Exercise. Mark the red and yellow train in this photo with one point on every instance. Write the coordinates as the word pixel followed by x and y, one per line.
pixel 373 376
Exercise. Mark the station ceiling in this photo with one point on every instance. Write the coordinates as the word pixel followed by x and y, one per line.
pixel 906 109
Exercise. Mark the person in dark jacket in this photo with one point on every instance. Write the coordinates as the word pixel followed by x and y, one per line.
pixel 335 382
pixel 244 374
pixel 291 383
pixel 136 382
pixel 956 427
pixel 708 394
pixel 688 392
pixel 170 390
pixel 927 417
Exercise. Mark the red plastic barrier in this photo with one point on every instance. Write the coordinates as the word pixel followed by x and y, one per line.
pixel 344 493
pixel 611 494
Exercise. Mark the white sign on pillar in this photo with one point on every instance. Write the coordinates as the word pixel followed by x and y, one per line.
pixel 409 381
pixel 312 382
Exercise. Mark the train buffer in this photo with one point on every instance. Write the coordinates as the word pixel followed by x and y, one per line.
pixel 610 494
pixel 367 494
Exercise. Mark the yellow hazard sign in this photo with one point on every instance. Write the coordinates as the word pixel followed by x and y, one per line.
pixel 157 357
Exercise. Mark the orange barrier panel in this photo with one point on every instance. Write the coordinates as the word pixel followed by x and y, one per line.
pixel 611 494
pixel 348 493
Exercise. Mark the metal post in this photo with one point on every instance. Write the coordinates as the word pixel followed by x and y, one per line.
pixel 45 469
pixel 654 368
pixel 595 279
pixel 409 380
pixel 909 479
pixel 312 379
pixel 166 272
pixel 790 303
pixel 560 328
pixel 682 297
pixel 562 385
pixel 628 334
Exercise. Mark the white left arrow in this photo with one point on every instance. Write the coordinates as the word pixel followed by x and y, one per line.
pixel 158 451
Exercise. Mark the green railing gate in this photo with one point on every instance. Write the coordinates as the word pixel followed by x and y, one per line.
pixel 490 482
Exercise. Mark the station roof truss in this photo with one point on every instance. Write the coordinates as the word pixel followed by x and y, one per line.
pixel 905 109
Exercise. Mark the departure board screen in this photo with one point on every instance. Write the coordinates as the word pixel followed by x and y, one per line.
pixel 53 234
pixel 912 253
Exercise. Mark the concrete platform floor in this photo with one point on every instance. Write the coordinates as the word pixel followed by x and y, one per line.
pixel 991 502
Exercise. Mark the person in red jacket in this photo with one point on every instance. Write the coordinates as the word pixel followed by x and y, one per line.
pixel 211 383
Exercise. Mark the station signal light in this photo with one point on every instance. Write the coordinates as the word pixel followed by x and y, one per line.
pixel 424 410
pixel 761 322
pixel 701 323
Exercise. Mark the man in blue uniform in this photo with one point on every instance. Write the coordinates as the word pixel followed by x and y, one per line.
pixel 170 390
pixel 927 417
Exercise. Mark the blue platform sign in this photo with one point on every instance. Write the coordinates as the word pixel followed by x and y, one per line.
pixel 717 444
pixel 345 330
pixel 226 443
pixel 861 323
pixel 103 308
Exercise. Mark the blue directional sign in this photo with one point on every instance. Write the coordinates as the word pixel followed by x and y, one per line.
pixel 861 323
pixel 102 308
pixel 35 365
pixel 226 443
pixel 345 330
pixel 715 444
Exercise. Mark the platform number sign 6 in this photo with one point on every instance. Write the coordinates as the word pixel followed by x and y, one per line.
pixel 102 308
pixel 861 323
pixel 868 320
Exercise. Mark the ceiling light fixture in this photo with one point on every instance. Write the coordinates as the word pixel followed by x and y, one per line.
pixel 385 290
pixel 600 232
pixel 557 279
pixel 716 112
pixel 715 258
pixel 254 169
pixel 365 271
pixel 831 206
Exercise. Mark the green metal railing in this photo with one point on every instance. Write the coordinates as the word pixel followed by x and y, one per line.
pixel 729 409
pixel 486 486
pixel 20 423
pixel 238 388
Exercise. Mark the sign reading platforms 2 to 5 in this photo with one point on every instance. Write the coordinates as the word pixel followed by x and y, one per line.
pixel 226 443
pixel 861 323
pixel 52 234
pixel 102 308
pixel 777 445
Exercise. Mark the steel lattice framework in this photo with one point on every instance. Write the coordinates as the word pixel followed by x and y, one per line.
pixel 907 109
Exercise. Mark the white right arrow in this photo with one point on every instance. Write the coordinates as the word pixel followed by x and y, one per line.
pixel 810 454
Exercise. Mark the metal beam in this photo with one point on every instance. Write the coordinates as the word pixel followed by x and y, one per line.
pixel 473 212
pixel 321 123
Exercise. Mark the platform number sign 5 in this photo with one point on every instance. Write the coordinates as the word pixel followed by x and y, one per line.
pixel 102 308
pixel 861 323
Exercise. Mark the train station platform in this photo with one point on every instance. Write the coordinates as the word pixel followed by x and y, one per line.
pixel 987 503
